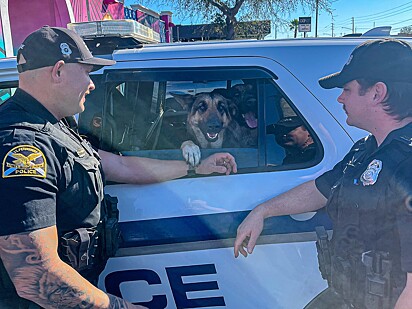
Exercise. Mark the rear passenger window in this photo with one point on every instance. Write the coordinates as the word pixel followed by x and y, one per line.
pixel 240 111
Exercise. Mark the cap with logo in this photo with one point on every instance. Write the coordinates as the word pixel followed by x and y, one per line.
pixel 48 45
pixel 385 60
pixel 290 122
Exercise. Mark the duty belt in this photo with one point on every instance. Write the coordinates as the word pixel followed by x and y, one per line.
pixel 364 281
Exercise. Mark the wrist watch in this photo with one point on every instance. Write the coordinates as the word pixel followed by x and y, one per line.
pixel 191 170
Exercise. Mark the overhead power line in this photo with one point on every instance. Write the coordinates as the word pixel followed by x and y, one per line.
pixel 388 15
pixel 384 12
pixel 380 15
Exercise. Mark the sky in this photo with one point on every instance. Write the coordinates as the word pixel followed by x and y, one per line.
pixel 361 14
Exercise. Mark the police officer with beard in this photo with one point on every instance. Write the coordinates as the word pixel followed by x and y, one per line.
pixel 55 230
pixel 368 260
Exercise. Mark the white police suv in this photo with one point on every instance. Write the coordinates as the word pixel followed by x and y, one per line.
pixel 177 236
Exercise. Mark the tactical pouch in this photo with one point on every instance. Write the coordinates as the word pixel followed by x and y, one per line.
pixel 79 248
pixel 111 229
pixel 323 249
pixel 377 280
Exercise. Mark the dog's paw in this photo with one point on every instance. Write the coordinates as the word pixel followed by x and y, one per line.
pixel 191 153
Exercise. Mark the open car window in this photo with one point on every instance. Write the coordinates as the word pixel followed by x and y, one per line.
pixel 237 110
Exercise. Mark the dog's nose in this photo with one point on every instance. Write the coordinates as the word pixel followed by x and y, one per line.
pixel 214 125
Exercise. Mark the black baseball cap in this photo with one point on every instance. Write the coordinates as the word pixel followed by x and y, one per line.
pixel 386 60
pixel 289 122
pixel 47 45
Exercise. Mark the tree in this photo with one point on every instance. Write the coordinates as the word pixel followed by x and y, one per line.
pixel 233 11
pixel 294 26
pixel 406 30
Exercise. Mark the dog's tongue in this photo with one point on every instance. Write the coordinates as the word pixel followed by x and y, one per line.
pixel 251 120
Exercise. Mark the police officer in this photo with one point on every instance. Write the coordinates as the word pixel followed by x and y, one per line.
pixel 368 261
pixel 51 184
pixel 291 134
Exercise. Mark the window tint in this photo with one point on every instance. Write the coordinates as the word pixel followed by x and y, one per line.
pixel 241 111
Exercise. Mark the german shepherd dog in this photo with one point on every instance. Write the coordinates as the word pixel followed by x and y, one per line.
pixel 210 124
pixel 244 96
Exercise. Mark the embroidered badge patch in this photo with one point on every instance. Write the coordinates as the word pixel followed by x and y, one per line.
pixel 65 49
pixel 24 160
pixel 370 175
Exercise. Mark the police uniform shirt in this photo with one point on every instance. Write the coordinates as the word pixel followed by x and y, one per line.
pixel 39 172
pixel 369 195
pixel 300 156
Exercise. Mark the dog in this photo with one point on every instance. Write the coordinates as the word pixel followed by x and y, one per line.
pixel 244 96
pixel 210 124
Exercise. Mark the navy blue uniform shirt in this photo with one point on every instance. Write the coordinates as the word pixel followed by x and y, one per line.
pixel 43 182
pixel 367 198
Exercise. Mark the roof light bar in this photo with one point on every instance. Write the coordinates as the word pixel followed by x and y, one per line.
pixel 119 27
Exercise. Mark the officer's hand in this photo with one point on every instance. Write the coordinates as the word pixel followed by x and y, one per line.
pixel 248 233
pixel 223 163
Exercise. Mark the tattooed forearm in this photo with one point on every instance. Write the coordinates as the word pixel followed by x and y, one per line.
pixel 39 275
pixel 118 303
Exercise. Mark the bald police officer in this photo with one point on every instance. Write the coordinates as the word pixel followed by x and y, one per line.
pixel 368 261
pixel 51 213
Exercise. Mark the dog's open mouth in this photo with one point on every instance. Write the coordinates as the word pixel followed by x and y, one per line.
pixel 251 119
pixel 211 137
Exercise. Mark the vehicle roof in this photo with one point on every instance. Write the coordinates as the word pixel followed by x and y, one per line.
pixel 307 59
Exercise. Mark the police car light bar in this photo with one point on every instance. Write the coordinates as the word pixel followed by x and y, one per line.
pixel 119 27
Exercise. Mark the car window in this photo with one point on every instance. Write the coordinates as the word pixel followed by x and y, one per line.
pixel 152 113
pixel 5 94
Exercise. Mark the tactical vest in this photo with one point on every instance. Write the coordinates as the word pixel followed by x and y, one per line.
pixel 367 278
pixel 85 248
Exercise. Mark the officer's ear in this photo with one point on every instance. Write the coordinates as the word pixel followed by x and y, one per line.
pixel 380 92
pixel 56 71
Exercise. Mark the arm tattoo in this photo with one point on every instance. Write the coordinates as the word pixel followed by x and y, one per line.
pixel 39 275
pixel 118 303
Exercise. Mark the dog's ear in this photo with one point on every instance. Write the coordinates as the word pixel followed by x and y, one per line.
pixel 223 92
pixel 233 108
pixel 185 100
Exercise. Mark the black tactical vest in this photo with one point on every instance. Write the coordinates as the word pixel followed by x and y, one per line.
pixel 362 262
pixel 80 192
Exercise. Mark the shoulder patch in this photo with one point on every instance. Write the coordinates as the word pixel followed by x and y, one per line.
pixel 24 160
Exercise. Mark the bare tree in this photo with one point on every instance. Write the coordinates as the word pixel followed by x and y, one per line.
pixel 234 11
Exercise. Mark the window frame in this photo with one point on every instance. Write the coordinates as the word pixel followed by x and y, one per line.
pixel 111 77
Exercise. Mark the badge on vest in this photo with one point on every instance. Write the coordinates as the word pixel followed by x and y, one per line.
pixel 370 175
pixel 24 160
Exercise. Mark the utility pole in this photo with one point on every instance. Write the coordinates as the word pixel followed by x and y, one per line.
pixel 332 30
pixel 353 24
pixel 6 27
pixel 317 15
pixel 88 10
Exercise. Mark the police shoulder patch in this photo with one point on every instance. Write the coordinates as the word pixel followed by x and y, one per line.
pixel 24 160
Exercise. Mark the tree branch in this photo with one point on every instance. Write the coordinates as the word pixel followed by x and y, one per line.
pixel 237 6
pixel 220 5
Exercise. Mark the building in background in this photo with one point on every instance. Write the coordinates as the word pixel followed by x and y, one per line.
pixel 20 17
pixel 207 32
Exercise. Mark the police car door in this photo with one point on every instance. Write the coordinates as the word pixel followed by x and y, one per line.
pixel 177 236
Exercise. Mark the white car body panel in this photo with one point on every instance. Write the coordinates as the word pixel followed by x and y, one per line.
pixel 283 271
